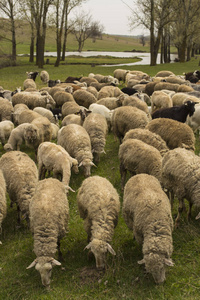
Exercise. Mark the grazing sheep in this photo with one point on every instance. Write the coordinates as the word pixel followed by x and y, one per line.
pixel 54 128
pixel 109 91
pixel 88 80
pixel 192 76
pixel 129 91
pixel 149 88
pixel 97 128
pixel 160 99
pixel 102 110
pixel 174 133
pixel 147 137
pixel 16 138
pixel 138 157
pixel 49 216
pixel 135 102
pixel 110 102
pixel 61 97
pixel 84 98
pixel 98 86
pixel 6 128
pixel 18 108
pixel 125 118
pixel 21 177
pixel 120 74
pixel 45 131
pixel 70 108
pixel 3 201
pixel 77 118
pixel 6 110
pixel 99 206
pixel 147 212
pixel 52 157
pixel 183 88
pixel 180 98
pixel 29 83
pixel 44 76
pixel 181 176
pixel 27 116
pixel 46 113
pixel 8 94
pixel 76 141
pixel 166 86
pixel 164 73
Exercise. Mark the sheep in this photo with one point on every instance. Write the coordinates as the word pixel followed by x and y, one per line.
pixel 49 216
pixel 125 118
pixel 92 90
pixel 52 157
pixel 46 113
pixel 44 76
pixel 147 212
pixel 180 98
pixel 16 138
pixel 110 102
pixel 6 128
pixel 97 128
pixel 99 206
pixel 8 94
pixel 160 99
pixel 181 176
pixel 54 128
pixel 138 157
pixel 149 88
pixel 76 141
pixel 71 79
pixel 109 91
pixel 70 108
pixel 3 201
pixel 98 86
pixel 18 108
pixel 60 97
pixel 45 131
pixel 120 74
pixel 149 138
pixel 29 83
pixel 192 76
pixel 6 110
pixel 88 80
pixel 102 110
pixel 164 73
pixel 174 133
pixel 77 118
pixel 21 177
pixel 27 116
pixel 129 91
pixel 34 99
pixel 57 112
pixel 52 83
pixel 184 88
pixel 175 79
pixel 84 98
pixel 166 86
pixel 178 113
pixel 32 75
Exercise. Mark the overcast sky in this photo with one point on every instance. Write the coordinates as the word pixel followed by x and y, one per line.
pixel 113 15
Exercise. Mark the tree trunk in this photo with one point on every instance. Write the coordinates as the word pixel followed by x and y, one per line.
pixel 182 50
pixel 40 51
pixel 31 58
pixel 58 46
pixel 14 47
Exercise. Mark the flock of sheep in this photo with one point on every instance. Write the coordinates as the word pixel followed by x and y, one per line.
pixel 66 123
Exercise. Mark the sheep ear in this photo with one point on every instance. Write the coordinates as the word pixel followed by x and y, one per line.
pixel 80 164
pixel 55 262
pixel 88 246
pixel 198 216
pixel 111 250
pixel 168 262
pixel 140 262
pixel 92 164
pixel 32 264
pixel 67 188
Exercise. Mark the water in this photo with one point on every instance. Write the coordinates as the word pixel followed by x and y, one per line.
pixel 143 55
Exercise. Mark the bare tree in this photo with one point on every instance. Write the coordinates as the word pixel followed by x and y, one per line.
pixel 142 40
pixel 96 30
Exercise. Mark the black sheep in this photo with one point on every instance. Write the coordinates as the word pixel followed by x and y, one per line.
pixel 129 91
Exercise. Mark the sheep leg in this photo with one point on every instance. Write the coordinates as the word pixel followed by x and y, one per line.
pixel 189 211
pixel 123 172
pixel 180 210
pixel 60 257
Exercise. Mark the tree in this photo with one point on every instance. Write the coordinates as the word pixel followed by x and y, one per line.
pixel 142 40
pixel 96 30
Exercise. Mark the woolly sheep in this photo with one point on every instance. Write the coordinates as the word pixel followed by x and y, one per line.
pixel 77 118
pixel 149 138
pixel 18 108
pixel 174 133
pixel 180 98
pixel 3 201
pixel 164 73
pixel 6 128
pixel 45 131
pixel 138 157
pixel 70 108
pixel 61 97
pixel 44 76
pixel 6 109
pixel 181 176
pixel 166 86
pixel 184 88
pixel 102 110
pixel 52 157
pixel 88 80
pixel 109 91
pixel 159 100
pixel 97 128
pixel 21 177
pixel 49 216
pixel 45 113
pixel 110 102
pixel 29 83
pixel 120 74
pixel 147 212
pixel 27 116
pixel 76 141
pixel 84 98
pixel 54 128
pixel 99 206
pixel 16 138
pixel 93 91
pixel 125 118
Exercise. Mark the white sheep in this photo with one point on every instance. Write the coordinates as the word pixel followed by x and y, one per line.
pixel 46 113
pixel 99 206
pixel 75 139
pixel 160 99
pixel 194 120
pixel 6 109
pixel 109 91
pixel 110 102
pixel 52 157
pixel 3 201
pixel 21 176
pixel 84 98
pixel 16 138
pixel 147 212
pixel 102 110
pixel 18 108
pixel 44 76
pixel 29 83
pixel 97 128
pixel 120 74
pixel 138 157
pixel 54 129
pixel 164 73
pixel 6 128
pixel 49 215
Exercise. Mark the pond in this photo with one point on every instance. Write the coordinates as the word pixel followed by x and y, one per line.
pixel 143 55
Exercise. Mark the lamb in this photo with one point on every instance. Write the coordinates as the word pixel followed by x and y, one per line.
pixel 6 128
pixel 76 141
pixel 44 76
pixel 16 138
pixel 147 212
pixel 99 207
pixel 97 128
pixel 3 202
pixel 29 83
pixel 109 91
pixel 52 157
pixel 181 176
pixel 49 216
pixel 174 133
pixel 46 113
pixel 120 74
pixel 149 138
pixel 138 157
pixel 125 118
pixel 6 110
pixel 160 99
pixel 178 113
pixel 21 177
pixel 32 75
pixel 84 98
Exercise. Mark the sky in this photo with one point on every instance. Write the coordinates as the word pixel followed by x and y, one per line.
pixel 113 15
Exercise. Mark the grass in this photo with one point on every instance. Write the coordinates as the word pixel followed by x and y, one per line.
pixel 76 278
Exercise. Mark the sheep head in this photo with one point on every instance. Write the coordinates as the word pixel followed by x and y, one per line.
pixel 100 248
pixel 155 264
pixel 87 163
pixel 44 265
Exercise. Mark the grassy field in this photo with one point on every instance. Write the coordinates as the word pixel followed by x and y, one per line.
pixel 77 278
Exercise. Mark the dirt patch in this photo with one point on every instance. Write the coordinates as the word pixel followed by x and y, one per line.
pixel 90 275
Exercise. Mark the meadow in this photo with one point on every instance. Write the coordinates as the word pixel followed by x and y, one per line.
pixel 77 277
